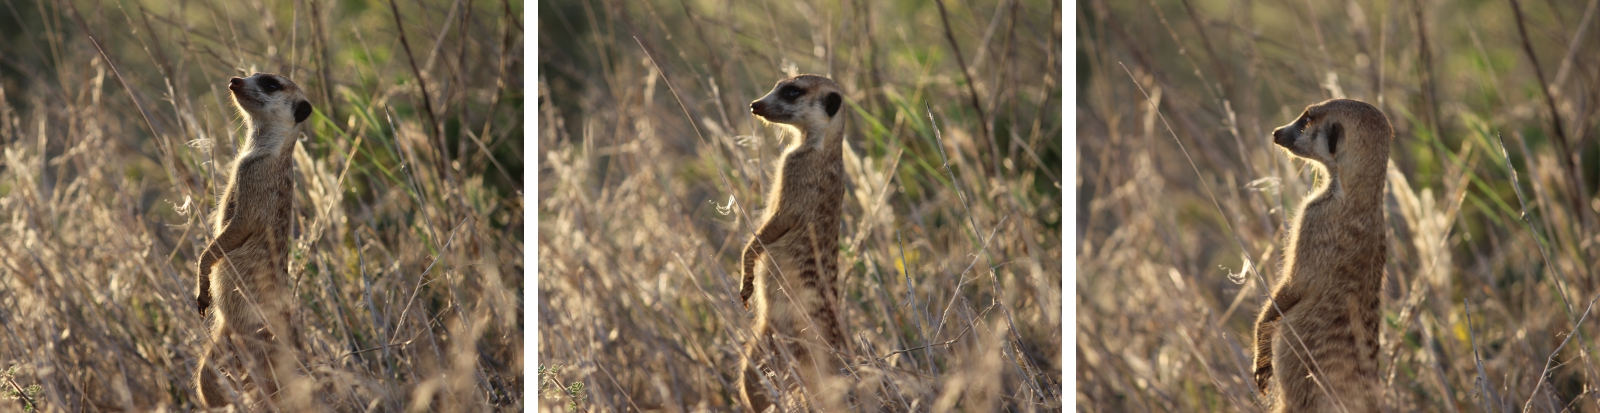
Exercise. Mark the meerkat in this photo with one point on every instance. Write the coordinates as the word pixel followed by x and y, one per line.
pixel 791 265
pixel 245 267
pixel 1317 337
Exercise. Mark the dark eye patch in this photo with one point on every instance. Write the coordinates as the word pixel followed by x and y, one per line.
pixel 790 92
pixel 270 85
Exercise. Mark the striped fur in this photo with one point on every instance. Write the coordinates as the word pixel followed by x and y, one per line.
pixel 1317 339
pixel 791 267
pixel 245 267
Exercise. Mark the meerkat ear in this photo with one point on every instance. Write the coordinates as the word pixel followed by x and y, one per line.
pixel 302 110
pixel 1335 134
pixel 831 103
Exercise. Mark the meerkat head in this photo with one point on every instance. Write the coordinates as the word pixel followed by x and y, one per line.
pixel 1338 131
pixel 809 103
pixel 267 99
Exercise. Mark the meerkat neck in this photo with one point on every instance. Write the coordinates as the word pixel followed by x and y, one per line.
pixel 827 137
pixel 267 138
pixel 1353 187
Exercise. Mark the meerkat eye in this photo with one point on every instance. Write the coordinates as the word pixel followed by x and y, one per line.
pixel 790 92
pixel 270 85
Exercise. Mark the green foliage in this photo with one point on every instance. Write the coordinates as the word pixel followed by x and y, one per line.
pixel 10 390
pixel 550 386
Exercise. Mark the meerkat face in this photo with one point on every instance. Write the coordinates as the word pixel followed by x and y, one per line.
pixel 270 98
pixel 805 101
pixel 1327 130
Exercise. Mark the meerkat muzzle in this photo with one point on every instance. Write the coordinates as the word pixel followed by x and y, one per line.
pixel 1283 136
pixel 768 112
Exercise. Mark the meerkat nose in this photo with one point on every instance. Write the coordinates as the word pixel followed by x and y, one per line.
pixel 756 106
pixel 235 83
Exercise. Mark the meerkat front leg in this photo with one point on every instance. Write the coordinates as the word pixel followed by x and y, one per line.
pixel 1266 328
pixel 769 232
pixel 232 237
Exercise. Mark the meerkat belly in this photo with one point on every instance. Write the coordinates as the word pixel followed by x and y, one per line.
pixel 251 281
pixel 247 285
pixel 792 287
pixel 1334 336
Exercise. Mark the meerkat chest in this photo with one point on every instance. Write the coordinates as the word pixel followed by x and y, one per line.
pixel 261 194
pixel 814 179
pixel 1338 250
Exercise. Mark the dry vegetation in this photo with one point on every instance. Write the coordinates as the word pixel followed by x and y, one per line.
pixel 650 166
pixel 1494 104
pixel 407 249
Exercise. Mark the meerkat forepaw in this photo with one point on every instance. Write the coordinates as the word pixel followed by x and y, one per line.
pixel 1263 376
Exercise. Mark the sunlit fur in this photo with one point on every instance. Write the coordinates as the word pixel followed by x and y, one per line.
pixel 1317 339
pixel 791 268
pixel 245 267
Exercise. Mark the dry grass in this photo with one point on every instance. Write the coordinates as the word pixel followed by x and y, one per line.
pixel 407 247
pixel 651 164
pixel 1485 309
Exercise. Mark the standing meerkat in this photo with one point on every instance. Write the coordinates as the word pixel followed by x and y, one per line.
pixel 792 263
pixel 1317 338
pixel 245 267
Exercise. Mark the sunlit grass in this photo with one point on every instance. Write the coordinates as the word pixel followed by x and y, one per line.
pixel 406 253
pixel 953 300
pixel 1166 311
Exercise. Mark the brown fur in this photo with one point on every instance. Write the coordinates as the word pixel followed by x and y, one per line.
pixel 245 267
pixel 791 266
pixel 1318 346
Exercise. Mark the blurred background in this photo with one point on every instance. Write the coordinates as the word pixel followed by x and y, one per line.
pixel 116 126
pixel 651 166
pixel 1491 204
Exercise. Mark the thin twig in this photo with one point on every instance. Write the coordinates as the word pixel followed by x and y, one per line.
pixel 972 91
pixel 929 347
pixel 911 295
pixel 1486 393
pixel 1568 157
pixel 427 102
pixel 1550 362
